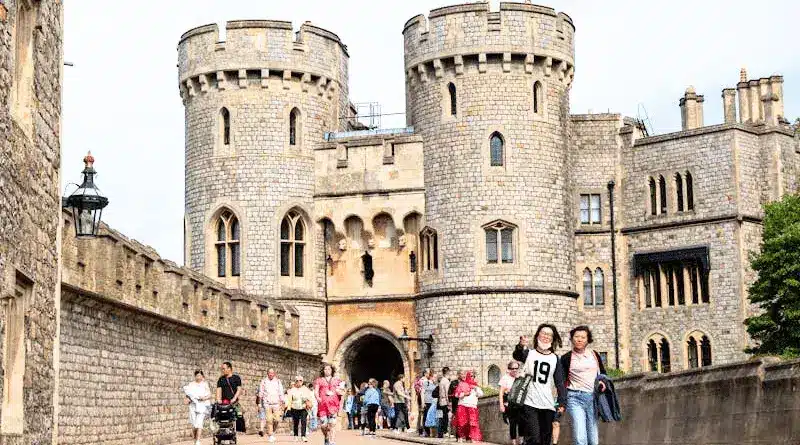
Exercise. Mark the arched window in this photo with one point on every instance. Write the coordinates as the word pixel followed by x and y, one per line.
pixel 662 191
pixel 689 192
pixel 225 121
pixel 653 201
pixel 691 349
pixel 679 190
pixel 499 242
pixel 537 96
pixel 293 242
pixel 698 350
pixel 493 375
pixel 294 126
pixel 705 351
pixel 587 287
pixel 496 149
pixel 658 357
pixel 228 245
pixel 665 365
pixel 429 246
pixel 599 297
pixel 451 88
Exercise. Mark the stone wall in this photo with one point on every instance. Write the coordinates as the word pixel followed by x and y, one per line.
pixel 30 121
pixel 122 371
pixel 742 403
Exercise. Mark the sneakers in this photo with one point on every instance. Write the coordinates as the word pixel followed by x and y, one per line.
pixel 196 442
pixel 271 438
pixel 305 439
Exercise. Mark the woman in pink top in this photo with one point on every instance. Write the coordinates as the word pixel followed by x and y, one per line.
pixel 329 391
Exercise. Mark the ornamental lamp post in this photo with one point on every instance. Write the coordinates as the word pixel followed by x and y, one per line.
pixel 86 203
pixel 427 340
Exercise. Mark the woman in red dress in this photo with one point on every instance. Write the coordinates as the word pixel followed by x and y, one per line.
pixel 467 424
pixel 328 390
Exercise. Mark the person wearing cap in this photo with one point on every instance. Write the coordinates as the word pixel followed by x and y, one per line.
pixel 299 399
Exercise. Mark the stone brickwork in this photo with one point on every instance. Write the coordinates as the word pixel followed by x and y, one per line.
pixel 30 122
pixel 471 72
pixel 480 329
pixel 122 371
pixel 260 74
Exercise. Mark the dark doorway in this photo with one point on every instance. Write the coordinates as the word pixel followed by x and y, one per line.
pixel 372 356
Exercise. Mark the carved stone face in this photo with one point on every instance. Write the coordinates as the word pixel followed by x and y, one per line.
pixel 371 243
pixel 401 241
pixel 342 244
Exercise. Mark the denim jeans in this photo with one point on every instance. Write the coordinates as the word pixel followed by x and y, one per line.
pixel 580 406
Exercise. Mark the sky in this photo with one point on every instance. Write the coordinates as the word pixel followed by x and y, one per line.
pixel 121 97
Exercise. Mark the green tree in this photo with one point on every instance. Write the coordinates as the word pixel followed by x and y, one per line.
pixel 777 289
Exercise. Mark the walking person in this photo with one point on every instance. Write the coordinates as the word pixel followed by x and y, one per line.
pixel 372 400
pixel 387 404
pixel 428 386
pixel 582 365
pixel 328 390
pixel 543 365
pixel 451 393
pixel 401 400
pixel 510 414
pixel 444 401
pixel 229 389
pixel 419 390
pixel 271 392
pixel 362 407
pixel 299 399
pixel 348 407
pixel 198 396
pixel 467 421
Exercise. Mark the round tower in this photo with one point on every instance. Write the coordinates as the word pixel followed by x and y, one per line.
pixel 256 105
pixel 489 93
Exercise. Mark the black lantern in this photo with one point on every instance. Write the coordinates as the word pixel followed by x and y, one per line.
pixel 86 203
pixel 427 340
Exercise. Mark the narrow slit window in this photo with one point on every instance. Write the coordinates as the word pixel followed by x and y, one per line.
pixel 225 115
pixel 653 201
pixel 662 188
pixel 293 126
pixel 537 96
pixel 599 285
pixel 679 191
pixel 496 150
pixel 689 192
pixel 587 287
pixel 451 88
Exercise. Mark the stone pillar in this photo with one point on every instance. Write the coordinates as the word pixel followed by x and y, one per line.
pixel 756 115
pixel 729 105
pixel 691 109
pixel 776 86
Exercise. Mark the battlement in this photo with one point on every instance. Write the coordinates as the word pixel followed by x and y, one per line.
pixel 256 50
pixel 518 31
pixel 115 268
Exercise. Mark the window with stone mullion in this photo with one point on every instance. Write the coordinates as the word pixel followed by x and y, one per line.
pixel 491 246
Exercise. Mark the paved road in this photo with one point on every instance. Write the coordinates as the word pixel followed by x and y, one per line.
pixel 342 438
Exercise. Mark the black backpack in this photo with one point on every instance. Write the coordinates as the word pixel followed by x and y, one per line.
pixel 435 393
pixel 451 391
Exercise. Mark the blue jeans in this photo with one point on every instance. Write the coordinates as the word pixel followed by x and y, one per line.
pixel 580 406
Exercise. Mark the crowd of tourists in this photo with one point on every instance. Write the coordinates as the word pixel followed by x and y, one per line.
pixel 538 389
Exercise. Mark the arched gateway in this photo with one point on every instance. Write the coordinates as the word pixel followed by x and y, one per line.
pixel 370 351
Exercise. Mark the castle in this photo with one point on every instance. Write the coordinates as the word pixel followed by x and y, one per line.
pixel 489 213
pixel 309 237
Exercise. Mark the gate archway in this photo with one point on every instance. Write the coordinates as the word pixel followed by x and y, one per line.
pixel 371 352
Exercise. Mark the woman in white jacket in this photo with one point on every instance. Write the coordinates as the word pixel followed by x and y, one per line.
pixel 198 396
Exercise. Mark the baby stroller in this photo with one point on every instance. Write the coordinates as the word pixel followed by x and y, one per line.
pixel 223 424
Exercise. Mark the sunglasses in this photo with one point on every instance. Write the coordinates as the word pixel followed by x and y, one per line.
pixel 513 369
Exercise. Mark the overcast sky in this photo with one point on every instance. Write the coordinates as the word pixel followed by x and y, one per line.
pixel 121 96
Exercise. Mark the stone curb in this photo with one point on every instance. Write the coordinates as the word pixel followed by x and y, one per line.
pixel 413 438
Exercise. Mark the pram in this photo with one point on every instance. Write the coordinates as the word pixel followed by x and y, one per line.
pixel 223 424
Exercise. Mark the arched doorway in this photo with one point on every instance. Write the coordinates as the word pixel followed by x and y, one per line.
pixel 371 352
pixel 372 356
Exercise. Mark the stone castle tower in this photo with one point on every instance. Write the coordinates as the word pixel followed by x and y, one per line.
pixel 489 93
pixel 489 213
pixel 256 105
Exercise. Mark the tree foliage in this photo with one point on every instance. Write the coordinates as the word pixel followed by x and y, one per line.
pixel 776 291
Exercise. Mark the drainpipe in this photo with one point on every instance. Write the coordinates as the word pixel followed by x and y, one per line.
pixel 614 272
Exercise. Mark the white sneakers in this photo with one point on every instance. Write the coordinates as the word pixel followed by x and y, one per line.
pixel 196 442
pixel 305 439
pixel 271 438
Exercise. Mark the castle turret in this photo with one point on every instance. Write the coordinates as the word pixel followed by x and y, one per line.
pixel 489 93
pixel 256 106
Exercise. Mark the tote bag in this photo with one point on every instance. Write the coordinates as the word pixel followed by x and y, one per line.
pixel 518 391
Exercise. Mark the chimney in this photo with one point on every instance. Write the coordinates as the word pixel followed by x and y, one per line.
pixel 729 105
pixel 744 97
pixel 776 86
pixel 691 109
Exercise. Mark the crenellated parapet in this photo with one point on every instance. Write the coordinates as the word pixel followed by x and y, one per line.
pixel 261 54
pixel 519 35
pixel 114 268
